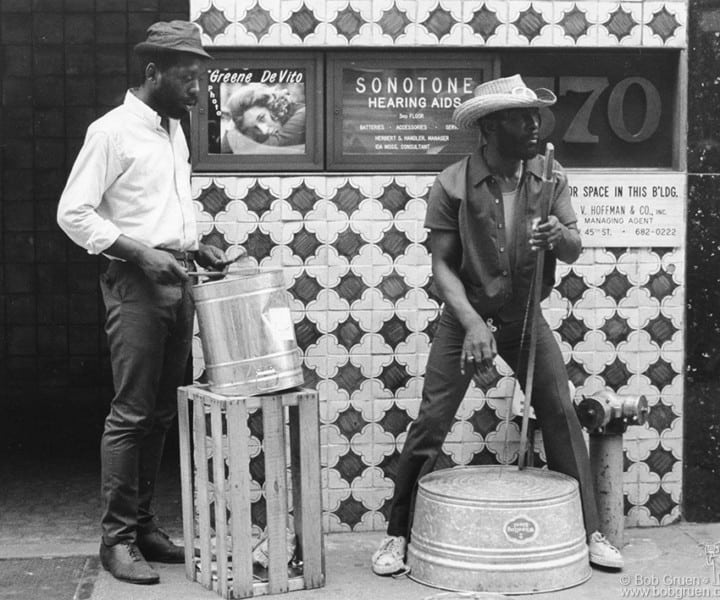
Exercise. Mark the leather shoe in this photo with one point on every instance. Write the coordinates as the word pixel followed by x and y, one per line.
pixel 125 562
pixel 157 547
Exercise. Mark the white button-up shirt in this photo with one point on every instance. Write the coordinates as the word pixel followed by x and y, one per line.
pixel 131 177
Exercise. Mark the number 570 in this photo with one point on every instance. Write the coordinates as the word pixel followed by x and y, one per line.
pixel 579 131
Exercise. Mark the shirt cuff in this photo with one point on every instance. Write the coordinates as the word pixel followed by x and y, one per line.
pixel 103 238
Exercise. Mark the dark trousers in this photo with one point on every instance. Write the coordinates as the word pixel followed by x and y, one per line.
pixel 444 389
pixel 149 329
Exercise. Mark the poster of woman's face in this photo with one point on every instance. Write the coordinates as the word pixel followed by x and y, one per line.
pixel 256 111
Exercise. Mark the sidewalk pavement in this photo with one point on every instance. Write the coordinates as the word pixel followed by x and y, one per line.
pixel 661 562
pixel 51 508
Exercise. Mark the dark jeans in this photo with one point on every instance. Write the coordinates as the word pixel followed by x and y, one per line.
pixel 445 388
pixel 149 329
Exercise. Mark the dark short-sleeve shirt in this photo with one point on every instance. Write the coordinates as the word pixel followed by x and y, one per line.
pixel 466 198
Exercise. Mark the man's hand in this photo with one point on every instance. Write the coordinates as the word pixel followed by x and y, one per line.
pixel 479 348
pixel 161 267
pixel 214 259
pixel 547 235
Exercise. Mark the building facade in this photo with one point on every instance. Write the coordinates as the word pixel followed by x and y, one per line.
pixel 636 313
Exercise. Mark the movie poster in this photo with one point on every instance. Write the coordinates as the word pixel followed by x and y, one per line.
pixel 256 111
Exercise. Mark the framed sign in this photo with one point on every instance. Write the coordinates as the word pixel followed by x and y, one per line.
pixel 393 111
pixel 259 111
pixel 629 209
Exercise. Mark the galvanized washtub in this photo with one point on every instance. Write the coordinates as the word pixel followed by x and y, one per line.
pixel 498 529
pixel 247 334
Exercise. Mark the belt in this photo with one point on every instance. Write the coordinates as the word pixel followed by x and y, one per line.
pixel 184 256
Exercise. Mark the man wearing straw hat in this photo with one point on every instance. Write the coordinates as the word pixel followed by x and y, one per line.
pixel 484 220
pixel 128 196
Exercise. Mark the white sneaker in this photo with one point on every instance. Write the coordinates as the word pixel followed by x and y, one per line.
pixel 390 556
pixel 603 553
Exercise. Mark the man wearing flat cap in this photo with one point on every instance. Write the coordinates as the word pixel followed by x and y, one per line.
pixel 128 197
pixel 485 230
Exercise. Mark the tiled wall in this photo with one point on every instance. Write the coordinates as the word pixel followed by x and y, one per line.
pixel 353 251
pixel 502 23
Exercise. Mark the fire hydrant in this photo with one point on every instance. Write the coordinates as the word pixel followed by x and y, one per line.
pixel 606 416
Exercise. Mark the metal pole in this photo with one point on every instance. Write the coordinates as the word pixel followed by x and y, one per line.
pixel 606 464
pixel 546 194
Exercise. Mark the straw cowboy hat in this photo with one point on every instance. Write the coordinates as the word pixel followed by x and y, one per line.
pixel 173 36
pixel 500 94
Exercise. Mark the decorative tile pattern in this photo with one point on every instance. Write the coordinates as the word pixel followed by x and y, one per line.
pixel 485 22
pixel 664 24
pixel 348 23
pixel 394 22
pixel 620 23
pixel 257 21
pixel 303 22
pixel 443 22
pixel 217 20
pixel 529 23
pixel 574 23
pixel 213 21
pixel 439 22
pixel 358 270
pixel 365 314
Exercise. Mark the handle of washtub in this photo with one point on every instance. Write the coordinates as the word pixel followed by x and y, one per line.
pixel 220 274
pixel 210 274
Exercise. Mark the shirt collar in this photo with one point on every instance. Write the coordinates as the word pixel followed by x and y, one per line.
pixel 142 110
pixel 479 170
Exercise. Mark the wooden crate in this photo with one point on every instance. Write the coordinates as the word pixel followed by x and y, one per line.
pixel 229 571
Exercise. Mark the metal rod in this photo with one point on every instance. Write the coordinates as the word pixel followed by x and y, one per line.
pixel 205 273
pixel 606 466
pixel 239 258
pixel 546 194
